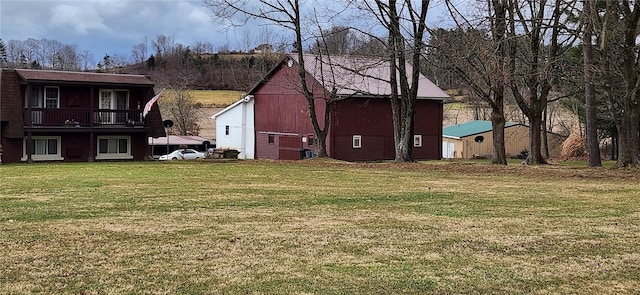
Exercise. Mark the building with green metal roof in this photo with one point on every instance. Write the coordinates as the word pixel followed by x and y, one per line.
pixel 475 139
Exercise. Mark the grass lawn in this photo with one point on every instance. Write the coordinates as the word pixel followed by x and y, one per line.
pixel 318 227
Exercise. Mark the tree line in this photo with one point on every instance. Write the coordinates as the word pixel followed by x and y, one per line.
pixel 527 53
pixel 582 52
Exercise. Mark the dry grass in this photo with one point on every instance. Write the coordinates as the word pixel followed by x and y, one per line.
pixel 318 227
pixel 216 98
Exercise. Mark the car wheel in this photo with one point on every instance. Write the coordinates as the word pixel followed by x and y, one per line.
pixel 174 158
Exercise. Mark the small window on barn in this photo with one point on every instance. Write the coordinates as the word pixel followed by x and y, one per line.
pixel 311 140
pixel 271 139
pixel 417 140
pixel 226 130
pixel 357 141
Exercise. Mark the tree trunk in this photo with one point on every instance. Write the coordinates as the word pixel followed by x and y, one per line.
pixel 628 138
pixel 593 145
pixel 545 140
pixel 535 141
pixel 497 125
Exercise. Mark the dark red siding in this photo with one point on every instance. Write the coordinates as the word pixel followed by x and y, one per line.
pixel 371 119
pixel 282 110
pixel 78 142
pixel 428 123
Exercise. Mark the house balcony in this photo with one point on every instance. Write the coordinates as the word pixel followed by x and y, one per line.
pixel 77 117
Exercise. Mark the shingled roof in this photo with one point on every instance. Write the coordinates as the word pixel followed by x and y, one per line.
pixel 353 75
pixel 45 76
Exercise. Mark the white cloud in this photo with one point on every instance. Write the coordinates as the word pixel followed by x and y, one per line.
pixel 82 20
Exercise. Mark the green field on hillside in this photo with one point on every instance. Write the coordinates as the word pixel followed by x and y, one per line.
pixel 216 98
pixel 318 227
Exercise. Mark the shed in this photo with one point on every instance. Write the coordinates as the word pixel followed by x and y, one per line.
pixel 235 128
pixel 475 138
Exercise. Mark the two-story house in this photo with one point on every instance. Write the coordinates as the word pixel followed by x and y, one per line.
pixel 75 116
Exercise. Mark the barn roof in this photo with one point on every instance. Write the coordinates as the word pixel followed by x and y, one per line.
pixel 353 75
pixel 470 128
pixel 46 76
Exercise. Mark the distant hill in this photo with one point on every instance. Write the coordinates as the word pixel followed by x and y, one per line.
pixel 237 71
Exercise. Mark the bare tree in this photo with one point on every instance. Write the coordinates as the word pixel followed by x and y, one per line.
pixel 286 14
pixel 202 48
pixel 406 25
pixel 3 53
pixel 617 34
pixel 163 45
pixel 538 38
pixel 139 51
pixel 478 57
pixel 593 144
pixel 246 42
pixel 178 104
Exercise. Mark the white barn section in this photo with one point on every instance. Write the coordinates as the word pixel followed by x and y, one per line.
pixel 235 128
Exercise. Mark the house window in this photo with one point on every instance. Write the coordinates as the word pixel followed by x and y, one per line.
pixel 113 100
pixel 44 148
pixel 271 139
pixel 357 141
pixel 417 140
pixel 114 147
pixel 45 97
pixel 226 130
pixel 51 97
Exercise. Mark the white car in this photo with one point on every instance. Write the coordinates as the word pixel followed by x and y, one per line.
pixel 183 154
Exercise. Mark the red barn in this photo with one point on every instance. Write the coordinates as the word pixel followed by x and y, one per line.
pixel 75 116
pixel 360 128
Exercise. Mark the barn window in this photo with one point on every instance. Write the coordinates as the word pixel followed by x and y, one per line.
pixel 357 141
pixel 311 140
pixel 226 130
pixel 271 139
pixel 417 140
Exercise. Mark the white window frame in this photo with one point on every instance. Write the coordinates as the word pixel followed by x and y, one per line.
pixel 227 131
pixel 356 141
pixel 45 98
pixel 417 140
pixel 108 117
pixel 38 98
pixel 114 156
pixel 46 157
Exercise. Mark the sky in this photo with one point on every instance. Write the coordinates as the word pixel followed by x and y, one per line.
pixel 112 26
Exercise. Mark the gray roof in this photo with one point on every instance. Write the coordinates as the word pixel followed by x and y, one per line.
pixel 47 76
pixel 362 76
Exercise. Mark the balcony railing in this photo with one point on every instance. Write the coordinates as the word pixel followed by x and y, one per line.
pixel 82 117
